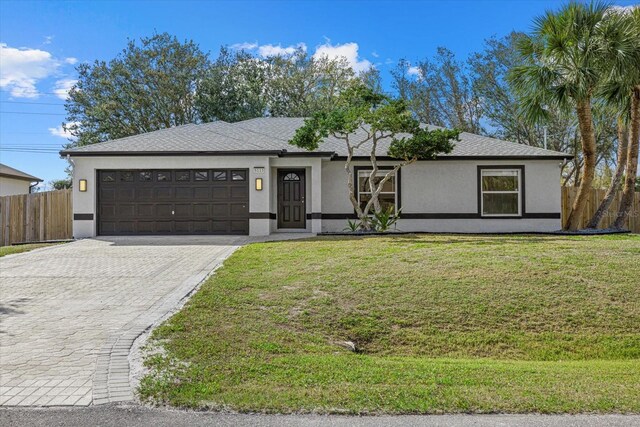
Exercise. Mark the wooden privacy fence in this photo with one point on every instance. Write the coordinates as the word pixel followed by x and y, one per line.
pixel 36 217
pixel 595 197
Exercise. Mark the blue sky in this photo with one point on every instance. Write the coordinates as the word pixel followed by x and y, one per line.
pixel 42 42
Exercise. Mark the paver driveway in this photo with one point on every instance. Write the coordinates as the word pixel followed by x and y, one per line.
pixel 69 313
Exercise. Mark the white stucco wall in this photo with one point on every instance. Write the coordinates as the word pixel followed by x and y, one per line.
pixel 86 167
pixel 451 187
pixel 434 187
pixel 11 186
pixel 262 202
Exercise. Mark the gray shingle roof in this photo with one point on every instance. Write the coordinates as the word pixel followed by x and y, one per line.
pixel 10 172
pixel 271 135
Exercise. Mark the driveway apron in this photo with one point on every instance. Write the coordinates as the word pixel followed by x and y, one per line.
pixel 69 313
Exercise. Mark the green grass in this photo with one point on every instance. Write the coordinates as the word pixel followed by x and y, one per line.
pixel 442 324
pixel 9 250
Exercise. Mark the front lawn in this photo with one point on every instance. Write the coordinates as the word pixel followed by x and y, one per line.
pixel 9 250
pixel 441 323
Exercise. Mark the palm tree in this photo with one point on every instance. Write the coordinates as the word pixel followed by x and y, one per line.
pixel 620 91
pixel 562 69
pixel 627 76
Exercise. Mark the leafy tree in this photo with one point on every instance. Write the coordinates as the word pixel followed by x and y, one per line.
pixel 233 88
pixel 364 119
pixel 148 86
pixel 301 85
pixel 240 86
pixel 61 184
pixel 563 69
pixel 417 91
pixel 439 91
pixel 490 69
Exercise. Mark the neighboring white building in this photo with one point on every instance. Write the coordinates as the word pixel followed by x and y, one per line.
pixel 13 181
pixel 244 178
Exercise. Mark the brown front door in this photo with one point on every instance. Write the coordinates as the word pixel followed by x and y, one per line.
pixel 291 192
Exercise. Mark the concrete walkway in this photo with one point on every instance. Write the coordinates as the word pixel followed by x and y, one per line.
pixel 70 313
pixel 129 415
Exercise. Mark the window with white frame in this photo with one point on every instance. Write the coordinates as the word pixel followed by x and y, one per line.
pixel 388 197
pixel 501 192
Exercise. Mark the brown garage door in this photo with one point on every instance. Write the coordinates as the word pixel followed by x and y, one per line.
pixel 198 201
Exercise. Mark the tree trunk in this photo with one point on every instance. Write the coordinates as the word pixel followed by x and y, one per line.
pixel 617 177
pixel 632 161
pixel 587 137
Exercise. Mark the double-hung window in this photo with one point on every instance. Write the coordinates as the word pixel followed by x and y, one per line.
pixel 501 192
pixel 388 197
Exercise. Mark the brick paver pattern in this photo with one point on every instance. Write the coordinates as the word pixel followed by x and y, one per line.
pixel 61 305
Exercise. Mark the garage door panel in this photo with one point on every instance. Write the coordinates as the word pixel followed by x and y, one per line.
pixel 201 193
pixel 108 227
pixel 126 227
pixel 163 193
pixel 220 193
pixel 146 227
pixel 221 227
pixel 126 210
pixel 183 211
pixel 220 210
pixel 239 192
pixel 144 193
pixel 239 210
pixel 183 227
pixel 107 194
pixel 201 227
pixel 164 226
pixel 184 193
pixel 107 211
pixel 146 210
pixel 164 210
pixel 173 202
pixel 126 194
pixel 239 227
pixel 201 210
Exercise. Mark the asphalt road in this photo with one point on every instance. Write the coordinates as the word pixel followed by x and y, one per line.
pixel 133 415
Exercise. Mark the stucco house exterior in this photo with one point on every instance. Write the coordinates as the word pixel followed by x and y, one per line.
pixel 244 178
pixel 13 181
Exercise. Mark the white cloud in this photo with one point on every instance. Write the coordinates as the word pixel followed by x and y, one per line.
pixel 21 68
pixel 47 40
pixel 62 132
pixel 375 54
pixel 349 51
pixel 268 50
pixel 71 60
pixel 62 88
pixel 244 46
pixel 414 71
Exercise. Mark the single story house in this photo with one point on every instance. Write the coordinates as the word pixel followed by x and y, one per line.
pixel 245 178
pixel 13 181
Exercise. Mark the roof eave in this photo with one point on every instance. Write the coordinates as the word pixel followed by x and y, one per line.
pixel 279 153
pixel 22 178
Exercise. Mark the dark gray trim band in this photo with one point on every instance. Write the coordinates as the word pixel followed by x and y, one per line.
pixel 261 215
pixel 83 217
pixel 530 215
pixel 314 215
pixel 285 153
